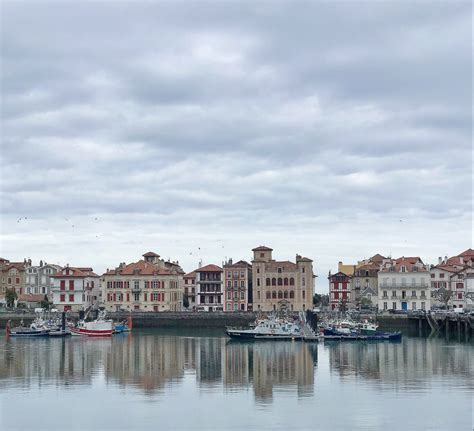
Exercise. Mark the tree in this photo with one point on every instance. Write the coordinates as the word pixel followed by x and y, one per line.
pixel 10 297
pixel 185 301
pixel 320 300
pixel 45 304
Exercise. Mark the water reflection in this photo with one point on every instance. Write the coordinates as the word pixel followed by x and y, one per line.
pixel 152 361
pixel 411 364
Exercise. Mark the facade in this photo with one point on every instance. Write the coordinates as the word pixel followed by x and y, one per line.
pixel 403 284
pixel 238 286
pixel 38 279
pixel 190 289
pixel 209 289
pixel 12 277
pixel 30 301
pixel 74 289
pixel 281 285
pixel 151 284
pixel 449 276
pixel 339 291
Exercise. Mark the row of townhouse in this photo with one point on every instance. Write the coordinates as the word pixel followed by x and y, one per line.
pixel 153 284
pixel 404 284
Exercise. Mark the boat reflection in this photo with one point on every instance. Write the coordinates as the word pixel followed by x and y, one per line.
pixel 151 362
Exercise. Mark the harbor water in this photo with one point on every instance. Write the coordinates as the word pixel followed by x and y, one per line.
pixel 200 380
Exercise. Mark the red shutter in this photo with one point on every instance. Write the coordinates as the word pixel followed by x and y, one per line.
pixel 128 297
pixel 71 284
pixel 62 298
pixel 146 294
pixel 63 284
pixel 71 298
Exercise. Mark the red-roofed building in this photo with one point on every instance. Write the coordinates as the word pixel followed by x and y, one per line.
pixel 75 289
pixel 209 289
pixel 449 274
pixel 12 277
pixel 151 284
pixel 403 284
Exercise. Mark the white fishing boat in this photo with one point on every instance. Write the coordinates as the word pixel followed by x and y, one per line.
pixel 96 328
pixel 272 328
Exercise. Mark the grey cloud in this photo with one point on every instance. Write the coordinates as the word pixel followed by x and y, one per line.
pixel 301 125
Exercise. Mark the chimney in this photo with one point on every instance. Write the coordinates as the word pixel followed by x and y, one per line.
pixel 445 259
pixel 440 260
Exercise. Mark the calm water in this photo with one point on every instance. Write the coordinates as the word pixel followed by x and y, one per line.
pixel 155 380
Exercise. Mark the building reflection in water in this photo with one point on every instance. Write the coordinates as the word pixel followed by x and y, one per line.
pixel 150 362
pixel 410 364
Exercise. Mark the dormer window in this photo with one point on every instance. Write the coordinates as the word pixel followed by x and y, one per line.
pixel 279 270
pixel 415 268
pixel 262 254
pixel 404 269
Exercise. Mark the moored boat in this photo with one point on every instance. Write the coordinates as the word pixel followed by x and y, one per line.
pixel 96 328
pixel 28 331
pixel 272 328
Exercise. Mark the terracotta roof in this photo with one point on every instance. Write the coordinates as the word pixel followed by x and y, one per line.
pixel 339 274
pixel 262 248
pixel 408 262
pixel 370 265
pixel 76 272
pixel 141 268
pixel 239 264
pixel 150 254
pixel 18 265
pixel 446 267
pixel 3 260
pixel 30 298
pixel 377 258
pixel 191 274
pixel 209 268
pixel 468 253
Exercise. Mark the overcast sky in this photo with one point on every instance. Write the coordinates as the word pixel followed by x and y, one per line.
pixel 200 130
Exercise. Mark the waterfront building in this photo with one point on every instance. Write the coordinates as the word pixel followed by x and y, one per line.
pixel 364 281
pixel 238 286
pixel 12 277
pixel 281 284
pixel 403 284
pixel 209 290
pixel 75 288
pixel 339 291
pixel 38 279
pixel 190 289
pixel 151 284
pixel 447 279
pixel 30 300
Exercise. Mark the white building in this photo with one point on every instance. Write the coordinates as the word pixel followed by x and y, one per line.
pixel 38 279
pixel 403 284
pixel 75 289
pixel 209 289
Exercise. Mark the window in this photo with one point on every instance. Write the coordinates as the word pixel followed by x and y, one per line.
pixel 236 274
pixel 71 284
pixel 136 296
pixel 385 294
pixel 268 295
pixel 262 254
pixel 258 270
pixel 432 276
pixel 280 281
pixel 242 283
pixel 267 282
pixel 404 269
pixel 441 275
pixel 292 281
pixel 258 281
pixel 236 283
pixel 274 281
pixel 459 285
pixel 229 274
pixel 302 270
pixel 279 270
pixel 292 294
pixel 460 295
pixel 394 293
pixel 413 293
pixel 285 294
pixel 303 282
pixel 258 294
pixel 413 306
pixel 62 297
pixel 422 305
pixel 423 294
pixel 394 305
pixel 242 274
pixel 274 294
pixel 229 283
pixel 285 281
pixel 63 284
pixel 385 306
pixel 280 294
pixel 303 294
pixel 71 298
pixel 136 284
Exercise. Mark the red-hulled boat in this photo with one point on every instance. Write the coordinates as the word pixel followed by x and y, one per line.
pixel 96 328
